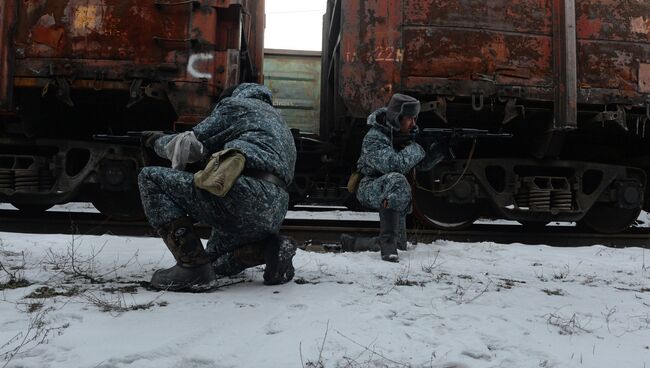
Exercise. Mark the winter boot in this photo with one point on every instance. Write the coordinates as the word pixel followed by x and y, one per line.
pixel 252 254
pixel 388 234
pixel 278 256
pixel 275 251
pixel 193 270
pixel 358 244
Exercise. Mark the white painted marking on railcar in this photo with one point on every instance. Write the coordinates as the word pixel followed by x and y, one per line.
pixel 192 69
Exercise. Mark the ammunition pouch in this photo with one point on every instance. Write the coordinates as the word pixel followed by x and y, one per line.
pixel 221 172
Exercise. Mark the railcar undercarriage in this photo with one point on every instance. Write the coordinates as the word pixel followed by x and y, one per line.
pixel 605 198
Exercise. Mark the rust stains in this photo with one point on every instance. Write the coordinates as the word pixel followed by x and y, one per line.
pixel 7 19
pixel 526 16
pixel 589 27
pixel 33 5
pixel 644 78
pixel 98 29
pixel 188 50
pixel 613 20
pixel 458 47
pixel 85 17
pixel 610 65
pixel 46 32
pixel 466 54
pixel 640 25
pixel 374 47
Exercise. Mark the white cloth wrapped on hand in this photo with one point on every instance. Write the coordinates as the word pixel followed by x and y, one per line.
pixel 183 149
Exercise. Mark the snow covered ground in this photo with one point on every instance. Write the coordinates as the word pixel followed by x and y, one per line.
pixel 444 305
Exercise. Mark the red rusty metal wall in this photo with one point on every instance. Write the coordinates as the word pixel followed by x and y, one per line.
pixel 192 47
pixel 614 44
pixel 7 17
pixel 98 29
pixel 463 40
pixel 497 47
pixel 371 53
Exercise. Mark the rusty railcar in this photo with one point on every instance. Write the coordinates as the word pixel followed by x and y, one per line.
pixel 570 79
pixel 70 69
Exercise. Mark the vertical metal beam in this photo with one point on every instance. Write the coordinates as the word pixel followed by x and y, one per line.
pixel 7 20
pixel 329 66
pixel 565 64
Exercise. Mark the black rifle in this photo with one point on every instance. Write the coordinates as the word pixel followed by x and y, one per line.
pixel 130 138
pixel 447 136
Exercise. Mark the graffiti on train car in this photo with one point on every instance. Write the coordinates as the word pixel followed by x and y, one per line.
pixel 198 59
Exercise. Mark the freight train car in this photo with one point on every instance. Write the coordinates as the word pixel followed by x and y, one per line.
pixel 71 69
pixel 569 79
pixel 294 78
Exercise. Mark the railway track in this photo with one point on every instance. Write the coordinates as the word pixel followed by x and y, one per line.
pixel 313 234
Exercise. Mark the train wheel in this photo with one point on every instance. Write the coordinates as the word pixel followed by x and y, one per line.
pixel 121 206
pixel 437 213
pixel 607 219
pixel 32 208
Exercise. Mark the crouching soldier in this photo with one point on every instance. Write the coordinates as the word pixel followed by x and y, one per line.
pixel 384 166
pixel 241 193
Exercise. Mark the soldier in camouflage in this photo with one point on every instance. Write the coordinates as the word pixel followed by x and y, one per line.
pixel 384 186
pixel 246 221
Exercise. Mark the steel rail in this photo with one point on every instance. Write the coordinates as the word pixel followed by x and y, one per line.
pixel 315 233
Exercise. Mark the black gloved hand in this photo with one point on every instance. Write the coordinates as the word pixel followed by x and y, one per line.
pixel 149 138
pixel 441 147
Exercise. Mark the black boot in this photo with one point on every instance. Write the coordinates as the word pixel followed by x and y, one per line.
pixel 388 234
pixel 275 251
pixel 193 271
pixel 252 254
pixel 278 256
pixel 358 244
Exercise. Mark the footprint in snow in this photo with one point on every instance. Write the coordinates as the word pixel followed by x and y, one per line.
pixel 272 328
pixel 195 363
pixel 452 365
pixel 477 355
pixel 246 305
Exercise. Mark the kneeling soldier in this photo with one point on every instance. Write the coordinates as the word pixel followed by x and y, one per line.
pixel 252 152
pixel 384 186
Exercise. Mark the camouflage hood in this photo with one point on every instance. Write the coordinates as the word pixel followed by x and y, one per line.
pixel 378 119
pixel 252 90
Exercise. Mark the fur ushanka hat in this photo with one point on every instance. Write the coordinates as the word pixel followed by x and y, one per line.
pixel 401 105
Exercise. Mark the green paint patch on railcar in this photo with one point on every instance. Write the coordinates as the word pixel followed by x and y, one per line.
pixel 294 78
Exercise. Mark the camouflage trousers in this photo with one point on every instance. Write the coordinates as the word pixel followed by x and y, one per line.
pixel 252 210
pixel 393 189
